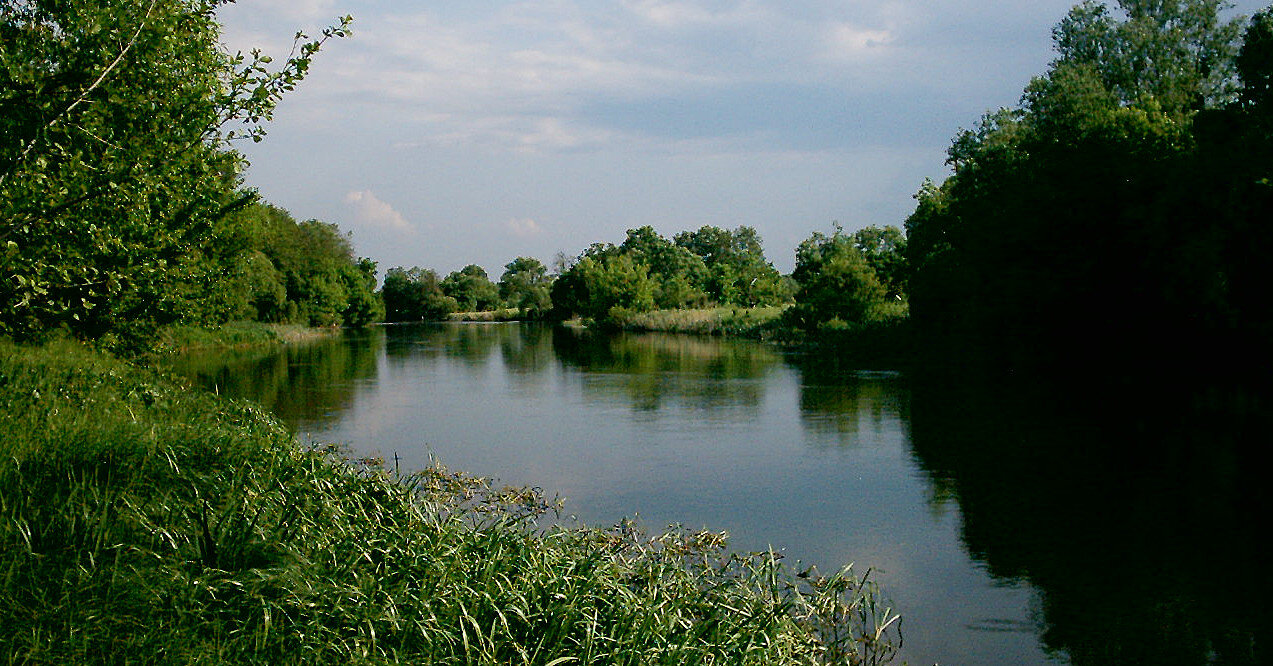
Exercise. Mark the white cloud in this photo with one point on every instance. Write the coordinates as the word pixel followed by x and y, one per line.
pixel 848 40
pixel 523 227
pixel 370 212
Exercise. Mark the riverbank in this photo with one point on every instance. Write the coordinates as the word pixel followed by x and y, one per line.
pixel 754 323
pixel 148 522
pixel 236 335
pixel 883 344
pixel 503 314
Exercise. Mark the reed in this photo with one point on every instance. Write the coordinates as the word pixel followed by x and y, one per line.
pixel 141 522
pixel 236 335
pixel 741 322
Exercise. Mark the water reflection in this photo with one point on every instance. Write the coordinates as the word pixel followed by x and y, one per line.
pixel 1013 522
pixel 1140 527
pixel 651 371
pixel 839 402
pixel 311 383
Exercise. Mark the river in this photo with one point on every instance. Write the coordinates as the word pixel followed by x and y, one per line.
pixel 1006 528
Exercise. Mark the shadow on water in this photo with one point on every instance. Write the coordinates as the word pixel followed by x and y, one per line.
pixel 839 401
pixel 1140 521
pixel 311 383
pixel 653 370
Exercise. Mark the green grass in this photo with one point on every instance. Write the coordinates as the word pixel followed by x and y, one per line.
pixel 237 334
pixel 505 314
pixel 141 522
pixel 741 322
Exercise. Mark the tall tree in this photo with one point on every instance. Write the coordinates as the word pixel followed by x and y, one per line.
pixel 116 173
pixel 835 281
pixel 414 294
pixel 472 289
pixel 1080 226
pixel 738 273
pixel 525 284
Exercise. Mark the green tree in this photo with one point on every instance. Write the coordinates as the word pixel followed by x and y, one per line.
pixel 1117 203
pixel 525 284
pixel 835 281
pixel 415 294
pixel 884 249
pixel 738 273
pixel 616 283
pixel 680 276
pixel 116 173
pixel 472 289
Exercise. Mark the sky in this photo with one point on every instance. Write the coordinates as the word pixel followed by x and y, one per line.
pixel 443 134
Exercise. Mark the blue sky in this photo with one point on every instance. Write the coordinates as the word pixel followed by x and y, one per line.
pixel 474 131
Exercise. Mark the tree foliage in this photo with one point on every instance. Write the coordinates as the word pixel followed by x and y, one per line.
pixel 299 272
pixel 836 282
pixel 472 289
pixel 737 271
pixel 648 271
pixel 1114 217
pixel 116 174
pixel 525 285
pixel 415 294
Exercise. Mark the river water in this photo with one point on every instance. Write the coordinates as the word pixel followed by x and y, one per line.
pixel 1006 529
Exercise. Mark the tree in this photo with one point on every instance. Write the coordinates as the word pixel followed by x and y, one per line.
pixel 835 282
pixel 116 173
pixel 1115 204
pixel 680 276
pixel 525 284
pixel 1177 53
pixel 472 289
pixel 415 294
pixel 738 273
pixel 884 249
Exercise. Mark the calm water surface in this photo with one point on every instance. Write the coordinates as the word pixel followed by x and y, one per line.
pixel 981 518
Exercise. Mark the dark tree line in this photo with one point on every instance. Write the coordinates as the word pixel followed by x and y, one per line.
pixel 1120 215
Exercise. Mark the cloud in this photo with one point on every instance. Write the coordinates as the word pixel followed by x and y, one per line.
pixel 848 40
pixel 369 211
pixel 524 227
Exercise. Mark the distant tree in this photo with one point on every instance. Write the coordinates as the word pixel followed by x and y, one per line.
pixel 365 306
pixel 738 273
pixel 472 289
pixel 616 283
pixel 835 280
pixel 679 275
pixel 414 294
pixel 884 249
pixel 525 284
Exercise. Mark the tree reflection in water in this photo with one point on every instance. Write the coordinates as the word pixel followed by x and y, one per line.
pixel 1139 521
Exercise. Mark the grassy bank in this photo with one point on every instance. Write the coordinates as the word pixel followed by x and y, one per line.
pixel 885 342
pixel 505 314
pixel 141 522
pixel 740 322
pixel 238 334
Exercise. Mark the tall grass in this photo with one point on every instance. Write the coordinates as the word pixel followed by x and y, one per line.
pixel 237 334
pixel 503 314
pixel 741 322
pixel 144 523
